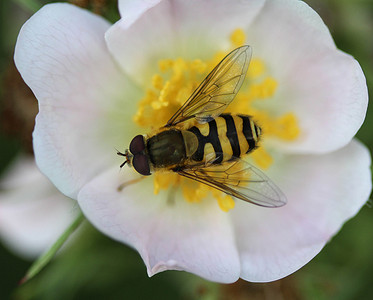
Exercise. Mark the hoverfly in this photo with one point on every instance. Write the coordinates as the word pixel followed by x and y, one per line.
pixel 210 149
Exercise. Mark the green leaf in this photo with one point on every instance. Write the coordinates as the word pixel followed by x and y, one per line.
pixel 30 5
pixel 44 259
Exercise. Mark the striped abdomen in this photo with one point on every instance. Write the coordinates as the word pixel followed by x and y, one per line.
pixel 232 135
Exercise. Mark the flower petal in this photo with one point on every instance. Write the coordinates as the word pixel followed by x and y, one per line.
pixel 169 234
pixel 333 100
pixel 61 54
pixel 323 192
pixel 154 30
pixel 131 10
pixel 33 213
pixel 324 87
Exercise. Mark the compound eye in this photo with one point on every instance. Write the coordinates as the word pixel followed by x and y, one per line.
pixel 137 144
pixel 141 164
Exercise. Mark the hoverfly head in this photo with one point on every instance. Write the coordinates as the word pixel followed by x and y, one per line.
pixel 137 158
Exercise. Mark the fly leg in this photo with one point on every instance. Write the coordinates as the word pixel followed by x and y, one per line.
pixel 129 182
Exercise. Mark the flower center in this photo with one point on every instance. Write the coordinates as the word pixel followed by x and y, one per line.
pixel 176 81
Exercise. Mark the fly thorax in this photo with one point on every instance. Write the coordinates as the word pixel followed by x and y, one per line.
pixel 166 148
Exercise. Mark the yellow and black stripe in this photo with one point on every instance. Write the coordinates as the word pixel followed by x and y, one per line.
pixel 232 135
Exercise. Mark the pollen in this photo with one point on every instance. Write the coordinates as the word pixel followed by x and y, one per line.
pixel 262 158
pixel 257 68
pixel 265 89
pixel 175 81
pixel 238 37
pixel 164 180
pixel 284 127
pixel 226 202
pixel 194 192
pixel 157 82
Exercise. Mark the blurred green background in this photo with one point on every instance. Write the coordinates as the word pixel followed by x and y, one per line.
pixel 98 267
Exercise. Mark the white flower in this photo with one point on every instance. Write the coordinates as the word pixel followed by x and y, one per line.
pixel 89 78
pixel 33 213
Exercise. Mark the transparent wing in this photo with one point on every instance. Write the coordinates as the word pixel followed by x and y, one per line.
pixel 238 179
pixel 217 90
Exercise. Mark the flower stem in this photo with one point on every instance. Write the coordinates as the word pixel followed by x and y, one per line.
pixel 45 258
pixel 30 5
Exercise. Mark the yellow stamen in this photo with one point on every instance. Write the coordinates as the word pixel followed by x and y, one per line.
pixel 256 69
pixel 262 158
pixel 176 81
pixel 264 89
pixel 238 37
pixel 162 180
pixel 157 81
pixel 226 203
pixel 198 66
pixel 165 64
pixel 194 192
pixel 284 127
